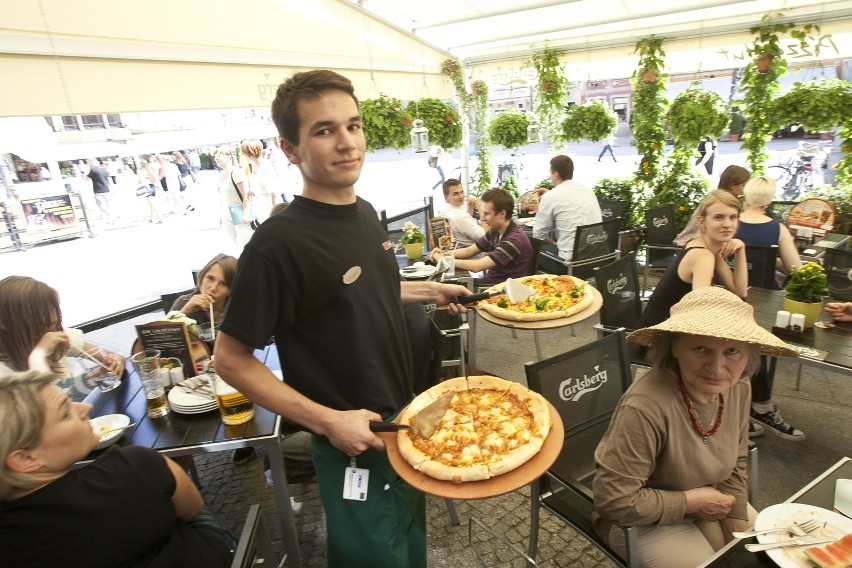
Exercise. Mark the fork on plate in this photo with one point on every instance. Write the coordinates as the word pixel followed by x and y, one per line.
pixel 798 529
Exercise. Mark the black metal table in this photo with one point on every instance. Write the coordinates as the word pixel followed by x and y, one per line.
pixel 819 493
pixel 835 341
pixel 178 435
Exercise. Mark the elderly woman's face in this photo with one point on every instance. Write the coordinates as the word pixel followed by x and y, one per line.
pixel 709 365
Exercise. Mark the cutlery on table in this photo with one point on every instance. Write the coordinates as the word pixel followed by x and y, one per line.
pixel 793 542
pixel 117 429
pixel 798 529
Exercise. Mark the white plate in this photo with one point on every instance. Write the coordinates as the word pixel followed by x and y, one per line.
pixel 180 398
pixel 424 272
pixel 108 422
pixel 782 515
pixel 198 410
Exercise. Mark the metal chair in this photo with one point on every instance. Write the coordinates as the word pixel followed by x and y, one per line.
pixel 254 547
pixel 838 268
pixel 594 245
pixel 618 284
pixel 585 385
pixel 660 233
pixel 761 262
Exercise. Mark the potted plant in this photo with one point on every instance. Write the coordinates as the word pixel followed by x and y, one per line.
pixel 387 123
pixel 735 127
pixel 805 291
pixel 816 105
pixel 509 129
pixel 413 240
pixel 593 121
pixel 442 120
pixel 696 113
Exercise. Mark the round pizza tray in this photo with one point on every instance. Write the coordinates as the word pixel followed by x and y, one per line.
pixel 597 302
pixel 515 479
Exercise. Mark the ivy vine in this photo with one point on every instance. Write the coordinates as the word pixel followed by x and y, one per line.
pixel 552 92
pixel 649 107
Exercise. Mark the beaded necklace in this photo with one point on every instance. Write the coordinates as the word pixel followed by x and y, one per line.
pixel 693 416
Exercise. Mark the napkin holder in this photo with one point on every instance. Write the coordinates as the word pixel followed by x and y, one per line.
pixel 788 332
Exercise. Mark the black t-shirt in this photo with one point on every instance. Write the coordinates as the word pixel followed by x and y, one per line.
pixel 669 291
pixel 99 177
pixel 341 340
pixel 115 512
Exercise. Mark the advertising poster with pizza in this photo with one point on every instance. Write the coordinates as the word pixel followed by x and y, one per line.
pixel 814 213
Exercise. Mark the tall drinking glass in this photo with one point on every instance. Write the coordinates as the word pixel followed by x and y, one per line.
pixel 147 364
pixel 234 407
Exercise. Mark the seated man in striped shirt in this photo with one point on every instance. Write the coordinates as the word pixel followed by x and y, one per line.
pixel 508 249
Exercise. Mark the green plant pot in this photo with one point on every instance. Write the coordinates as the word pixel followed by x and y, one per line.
pixel 414 250
pixel 811 311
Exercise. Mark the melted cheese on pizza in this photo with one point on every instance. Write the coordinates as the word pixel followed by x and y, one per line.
pixel 552 294
pixel 480 426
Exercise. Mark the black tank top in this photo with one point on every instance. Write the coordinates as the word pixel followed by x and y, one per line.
pixel 668 292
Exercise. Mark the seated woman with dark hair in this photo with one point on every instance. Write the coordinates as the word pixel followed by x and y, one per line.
pixel 129 507
pixel 673 460
pixel 213 287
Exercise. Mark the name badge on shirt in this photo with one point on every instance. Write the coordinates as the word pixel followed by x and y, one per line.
pixel 351 275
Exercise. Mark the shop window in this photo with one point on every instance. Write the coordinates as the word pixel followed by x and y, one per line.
pixel 93 121
pixel 70 123
pixel 114 120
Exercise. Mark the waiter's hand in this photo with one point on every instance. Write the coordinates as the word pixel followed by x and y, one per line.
pixel 350 432
pixel 446 293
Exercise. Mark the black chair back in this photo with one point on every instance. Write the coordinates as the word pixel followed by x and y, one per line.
pixel 618 283
pixel 611 208
pixel 595 241
pixel 660 225
pixel 838 269
pixel 761 266
pixel 420 217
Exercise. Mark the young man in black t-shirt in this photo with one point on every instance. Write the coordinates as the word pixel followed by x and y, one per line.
pixel 322 278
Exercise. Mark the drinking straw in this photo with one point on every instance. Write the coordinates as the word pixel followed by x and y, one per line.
pixel 212 324
pixel 95 359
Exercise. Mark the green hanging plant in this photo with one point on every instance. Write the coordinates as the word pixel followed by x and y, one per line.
pixel 509 129
pixel 696 113
pixel 442 120
pixel 815 105
pixel 759 83
pixel 844 166
pixel 593 121
pixel 552 91
pixel 649 106
pixel 387 123
pixel 452 69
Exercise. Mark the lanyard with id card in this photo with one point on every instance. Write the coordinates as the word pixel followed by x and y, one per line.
pixel 355 482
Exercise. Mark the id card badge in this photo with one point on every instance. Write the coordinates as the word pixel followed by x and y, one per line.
pixel 355 482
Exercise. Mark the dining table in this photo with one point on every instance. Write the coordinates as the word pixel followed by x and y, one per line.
pixel 818 493
pixel 177 435
pixel 828 348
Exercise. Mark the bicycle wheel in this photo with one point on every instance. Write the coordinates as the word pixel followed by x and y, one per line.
pixel 785 180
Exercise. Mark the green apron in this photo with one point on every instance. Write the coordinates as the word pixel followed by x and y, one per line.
pixel 386 530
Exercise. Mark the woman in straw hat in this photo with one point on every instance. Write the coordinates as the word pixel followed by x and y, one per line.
pixel 703 260
pixel 129 507
pixel 673 460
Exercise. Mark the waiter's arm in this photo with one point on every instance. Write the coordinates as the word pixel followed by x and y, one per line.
pixel 348 430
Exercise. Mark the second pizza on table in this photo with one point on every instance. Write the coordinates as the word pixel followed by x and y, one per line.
pixel 555 297
pixel 491 427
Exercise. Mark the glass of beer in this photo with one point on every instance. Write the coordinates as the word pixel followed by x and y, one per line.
pixel 234 407
pixel 147 364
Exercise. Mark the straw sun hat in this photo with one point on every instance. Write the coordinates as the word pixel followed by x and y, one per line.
pixel 714 312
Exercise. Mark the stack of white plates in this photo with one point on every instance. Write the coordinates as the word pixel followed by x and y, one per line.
pixel 184 402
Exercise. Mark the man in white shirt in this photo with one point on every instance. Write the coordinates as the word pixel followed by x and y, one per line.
pixel 564 208
pixel 460 214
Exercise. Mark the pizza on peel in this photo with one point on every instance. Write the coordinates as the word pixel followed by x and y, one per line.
pixel 555 297
pixel 491 427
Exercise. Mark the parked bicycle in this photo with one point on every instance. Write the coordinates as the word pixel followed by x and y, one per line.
pixel 797 177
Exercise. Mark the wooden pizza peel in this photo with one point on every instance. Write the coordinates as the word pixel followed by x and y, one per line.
pixel 597 303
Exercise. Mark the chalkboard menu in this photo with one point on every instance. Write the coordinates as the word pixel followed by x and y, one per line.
pixel 440 233
pixel 172 339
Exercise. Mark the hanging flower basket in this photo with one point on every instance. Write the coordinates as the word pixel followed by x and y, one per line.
pixel 764 62
pixel 442 120
pixel 816 105
pixel 593 121
pixel 696 113
pixel 509 129
pixel 386 123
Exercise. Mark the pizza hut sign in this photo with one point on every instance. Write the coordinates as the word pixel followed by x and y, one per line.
pixel 613 285
pixel 661 221
pixel 572 389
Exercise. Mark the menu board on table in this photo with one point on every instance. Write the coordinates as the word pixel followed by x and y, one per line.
pixel 812 212
pixel 172 339
pixel 440 233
